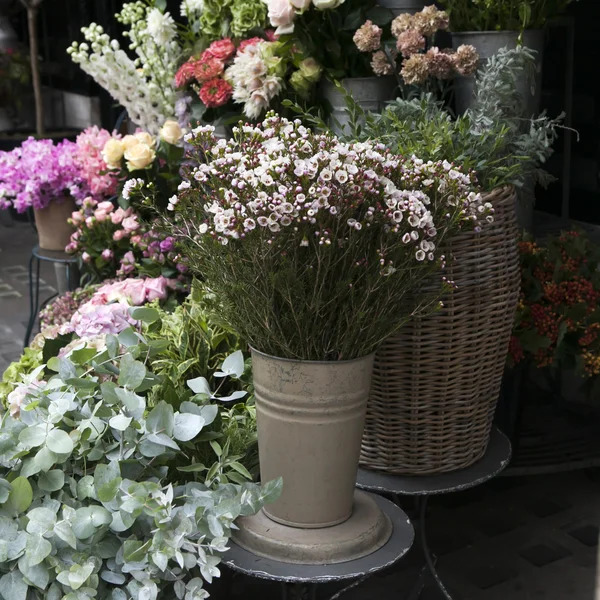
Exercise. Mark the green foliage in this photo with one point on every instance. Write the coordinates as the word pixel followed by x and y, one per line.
pixel 103 496
pixel 504 15
pixel 493 138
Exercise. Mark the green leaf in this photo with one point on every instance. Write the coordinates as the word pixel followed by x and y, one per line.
pixel 63 530
pixel 134 551
pixel 21 495
pixel 85 488
pixel 216 448
pixel 197 468
pixel 162 439
pixel 41 521
pixel 161 4
pixel 66 369
pixel 45 459
pixel 87 520
pixel 108 392
pixel 37 549
pixel 241 469
pixel 112 345
pixel 5 489
pixel 132 372
pixel 379 15
pixel 232 365
pixel 187 426
pixel 135 404
pixel 107 480
pixel 36 575
pixel 59 441
pixel 12 586
pixel 161 419
pixel 52 481
pixel 128 337
pixel 144 314
pixel 120 422
pixel 199 386
pixel 33 436
pixel 272 490
pixel 83 356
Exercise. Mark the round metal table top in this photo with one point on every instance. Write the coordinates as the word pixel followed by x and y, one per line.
pixel 55 256
pixel 265 568
pixel 494 461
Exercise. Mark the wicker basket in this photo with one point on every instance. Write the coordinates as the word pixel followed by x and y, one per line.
pixel 437 381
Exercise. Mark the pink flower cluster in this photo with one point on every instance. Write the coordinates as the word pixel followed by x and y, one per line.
pixel 39 172
pixel 205 73
pixel 100 180
pixel 107 311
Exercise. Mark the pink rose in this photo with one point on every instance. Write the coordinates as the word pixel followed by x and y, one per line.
pixel 85 257
pixel 106 206
pixel 101 215
pixel 107 254
pixel 89 222
pixel 281 15
pixel 136 239
pixel 118 235
pixel 130 224
pixel 156 289
pixel 222 49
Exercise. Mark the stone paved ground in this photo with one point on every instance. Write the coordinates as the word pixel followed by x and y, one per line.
pixel 526 538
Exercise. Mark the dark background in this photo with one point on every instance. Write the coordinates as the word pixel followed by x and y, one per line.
pixel 61 21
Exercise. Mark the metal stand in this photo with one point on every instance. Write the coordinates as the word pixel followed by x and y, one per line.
pixel 300 582
pixel 495 460
pixel 38 255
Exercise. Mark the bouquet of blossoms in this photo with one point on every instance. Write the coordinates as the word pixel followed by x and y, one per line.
pixel 116 243
pixel 101 182
pixel 39 172
pixel 315 246
pixel 421 60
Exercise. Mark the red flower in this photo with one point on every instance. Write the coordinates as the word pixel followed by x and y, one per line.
pixel 251 42
pixel 215 93
pixel 185 74
pixel 208 68
pixel 221 49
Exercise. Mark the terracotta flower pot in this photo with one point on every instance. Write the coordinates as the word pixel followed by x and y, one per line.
pixel 53 230
pixel 311 417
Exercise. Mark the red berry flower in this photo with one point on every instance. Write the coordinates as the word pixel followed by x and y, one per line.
pixel 215 93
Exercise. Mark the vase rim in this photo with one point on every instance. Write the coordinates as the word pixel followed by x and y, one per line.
pixel 493 32
pixel 309 362
pixel 368 78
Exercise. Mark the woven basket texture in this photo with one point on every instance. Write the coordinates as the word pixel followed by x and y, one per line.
pixel 437 381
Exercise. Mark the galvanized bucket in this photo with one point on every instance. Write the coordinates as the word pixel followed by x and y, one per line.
pixel 403 6
pixel 487 44
pixel 370 93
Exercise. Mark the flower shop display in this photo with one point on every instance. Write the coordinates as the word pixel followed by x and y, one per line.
pixel 557 328
pixel 431 404
pixel 313 247
pixel 115 242
pixel 47 178
pixel 490 26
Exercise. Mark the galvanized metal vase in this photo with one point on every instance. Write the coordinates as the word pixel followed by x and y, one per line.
pixel 487 44
pixel 403 6
pixel 370 93
pixel 311 417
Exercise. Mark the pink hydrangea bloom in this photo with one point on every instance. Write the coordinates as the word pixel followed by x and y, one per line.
pixel 92 319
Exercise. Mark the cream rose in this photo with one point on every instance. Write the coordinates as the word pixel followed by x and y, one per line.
pixel 112 153
pixel 129 141
pixel 145 138
pixel 139 156
pixel 281 15
pixel 171 132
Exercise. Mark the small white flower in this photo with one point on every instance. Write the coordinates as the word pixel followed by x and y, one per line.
pixel 326 175
pixel 420 255
pixel 203 228
pixel 304 242
pixel 341 176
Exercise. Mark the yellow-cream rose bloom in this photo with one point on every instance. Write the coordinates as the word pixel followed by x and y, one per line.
pixel 129 141
pixel 171 132
pixel 112 153
pixel 139 156
pixel 145 138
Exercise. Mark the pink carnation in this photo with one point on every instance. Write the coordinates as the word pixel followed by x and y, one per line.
pixel 185 74
pixel 208 68
pixel 221 49
pixel 215 93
